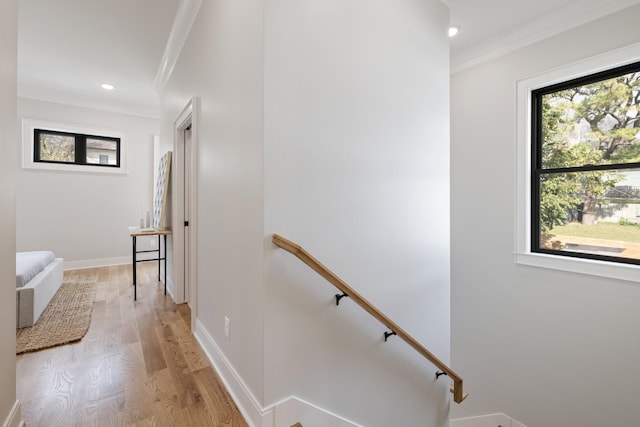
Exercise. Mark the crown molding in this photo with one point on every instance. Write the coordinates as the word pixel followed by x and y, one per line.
pixel 62 98
pixel 566 18
pixel 185 17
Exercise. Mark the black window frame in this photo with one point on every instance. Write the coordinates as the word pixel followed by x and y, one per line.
pixel 536 161
pixel 80 141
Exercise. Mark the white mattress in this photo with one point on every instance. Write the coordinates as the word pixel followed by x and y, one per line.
pixel 28 264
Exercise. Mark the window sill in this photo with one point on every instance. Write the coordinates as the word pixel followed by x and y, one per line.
pixel 628 272
pixel 72 168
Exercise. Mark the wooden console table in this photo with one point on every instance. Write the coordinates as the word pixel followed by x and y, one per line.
pixel 136 232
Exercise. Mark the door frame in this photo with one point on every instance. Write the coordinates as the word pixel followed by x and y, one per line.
pixel 188 117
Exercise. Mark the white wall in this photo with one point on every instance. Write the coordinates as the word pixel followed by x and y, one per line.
pixel 327 123
pixel 83 217
pixel 549 348
pixel 8 94
pixel 222 64
pixel 357 172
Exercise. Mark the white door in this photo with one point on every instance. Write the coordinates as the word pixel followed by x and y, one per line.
pixel 185 210
pixel 187 202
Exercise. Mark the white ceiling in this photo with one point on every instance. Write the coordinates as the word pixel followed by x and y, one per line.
pixel 489 28
pixel 481 20
pixel 67 48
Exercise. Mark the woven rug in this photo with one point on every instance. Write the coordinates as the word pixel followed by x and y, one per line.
pixel 66 319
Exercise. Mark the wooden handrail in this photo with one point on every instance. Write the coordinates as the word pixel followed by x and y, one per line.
pixel 304 256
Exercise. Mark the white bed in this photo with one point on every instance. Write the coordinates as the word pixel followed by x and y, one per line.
pixel 38 278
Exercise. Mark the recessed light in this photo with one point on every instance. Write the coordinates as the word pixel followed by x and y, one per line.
pixel 106 86
pixel 453 30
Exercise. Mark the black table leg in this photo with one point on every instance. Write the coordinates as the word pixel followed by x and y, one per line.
pixel 159 252
pixel 165 261
pixel 135 294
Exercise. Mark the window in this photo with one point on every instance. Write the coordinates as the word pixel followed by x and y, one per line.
pixel 528 250
pixel 74 148
pixel 586 167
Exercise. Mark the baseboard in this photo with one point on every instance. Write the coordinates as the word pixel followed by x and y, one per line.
pixel 14 419
pixel 281 414
pixel 491 420
pixel 169 287
pixel 293 410
pixel 246 402
pixel 96 262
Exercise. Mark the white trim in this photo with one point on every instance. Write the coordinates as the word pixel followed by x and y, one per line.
pixel 185 17
pixel 523 254
pixel 193 210
pixel 96 262
pixel 292 410
pixel 239 391
pixel 156 160
pixel 188 117
pixel 177 205
pixel 549 25
pixel 177 184
pixel 66 98
pixel 170 289
pixel 28 126
pixel 490 420
pixel 283 413
pixel 14 418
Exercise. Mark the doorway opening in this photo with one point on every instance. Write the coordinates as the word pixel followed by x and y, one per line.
pixel 185 208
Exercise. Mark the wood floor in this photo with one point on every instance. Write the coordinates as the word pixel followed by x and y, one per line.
pixel 138 365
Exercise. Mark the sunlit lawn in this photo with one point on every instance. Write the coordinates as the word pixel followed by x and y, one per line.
pixel 601 230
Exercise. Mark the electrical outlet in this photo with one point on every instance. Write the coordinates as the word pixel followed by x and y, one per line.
pixel 227 326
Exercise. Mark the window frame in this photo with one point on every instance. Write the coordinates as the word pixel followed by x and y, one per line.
pixel 523 253
pixel 30 146
pixel 537 169
pixel 80 151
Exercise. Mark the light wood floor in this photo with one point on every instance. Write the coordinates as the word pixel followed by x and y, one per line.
pixel 138 365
